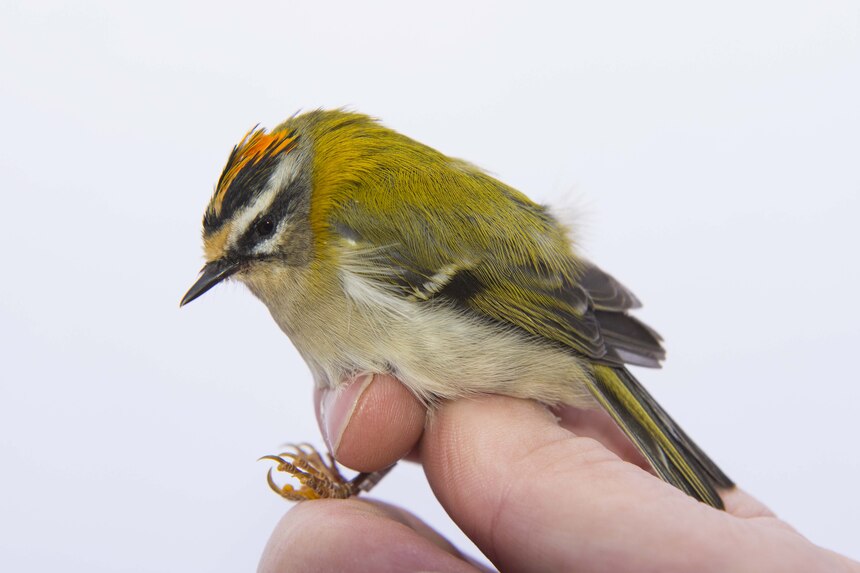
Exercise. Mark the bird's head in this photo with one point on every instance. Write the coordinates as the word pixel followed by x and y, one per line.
pixel 271 204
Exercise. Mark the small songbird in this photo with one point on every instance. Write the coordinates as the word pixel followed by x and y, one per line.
pixel 377 254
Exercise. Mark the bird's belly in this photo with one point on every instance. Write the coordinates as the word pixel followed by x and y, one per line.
pixel 435 350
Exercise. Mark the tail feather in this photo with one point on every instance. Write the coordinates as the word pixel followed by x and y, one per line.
pixel 674 456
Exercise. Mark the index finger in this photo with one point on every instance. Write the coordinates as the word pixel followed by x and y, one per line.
pixel 534 496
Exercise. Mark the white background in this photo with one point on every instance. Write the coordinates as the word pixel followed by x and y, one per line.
pixel 712 151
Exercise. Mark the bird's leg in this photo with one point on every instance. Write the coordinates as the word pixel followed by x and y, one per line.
pixel 319 479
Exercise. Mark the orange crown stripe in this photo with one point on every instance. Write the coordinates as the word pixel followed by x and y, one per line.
pixel 254 146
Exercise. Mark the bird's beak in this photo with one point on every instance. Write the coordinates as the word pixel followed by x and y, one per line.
pixel 210 275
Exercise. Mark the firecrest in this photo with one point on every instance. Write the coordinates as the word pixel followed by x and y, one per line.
pixel 377 254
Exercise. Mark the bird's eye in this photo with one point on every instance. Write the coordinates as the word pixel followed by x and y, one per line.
pixel 264 227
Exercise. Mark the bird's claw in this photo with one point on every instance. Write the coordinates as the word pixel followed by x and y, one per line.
pixel 318 479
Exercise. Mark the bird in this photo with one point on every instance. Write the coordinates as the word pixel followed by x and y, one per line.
pixel 377 254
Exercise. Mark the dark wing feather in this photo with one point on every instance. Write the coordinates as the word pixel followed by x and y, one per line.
pixel 606 292
pixel 631 340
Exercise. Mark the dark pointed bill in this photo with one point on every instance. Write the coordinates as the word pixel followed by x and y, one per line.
pixel 210 275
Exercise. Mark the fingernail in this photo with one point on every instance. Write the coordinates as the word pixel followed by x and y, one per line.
pixel 337 407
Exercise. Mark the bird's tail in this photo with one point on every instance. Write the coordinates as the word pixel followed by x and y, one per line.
pixel 674 456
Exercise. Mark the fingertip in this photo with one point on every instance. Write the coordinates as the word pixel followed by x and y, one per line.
pixel 372 423
pixel 357 535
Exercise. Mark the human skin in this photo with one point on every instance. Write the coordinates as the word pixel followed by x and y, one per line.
pixel 535 490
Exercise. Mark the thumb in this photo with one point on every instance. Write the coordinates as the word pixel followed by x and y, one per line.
pixel 369 422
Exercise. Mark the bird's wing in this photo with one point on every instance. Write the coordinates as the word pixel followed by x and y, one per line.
pixel 514 267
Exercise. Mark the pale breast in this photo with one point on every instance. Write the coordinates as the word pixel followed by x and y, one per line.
pixel 434 349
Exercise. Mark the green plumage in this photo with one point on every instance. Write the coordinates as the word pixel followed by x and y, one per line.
pixel 459 233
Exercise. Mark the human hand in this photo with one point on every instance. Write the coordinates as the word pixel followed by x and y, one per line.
pixel 534 490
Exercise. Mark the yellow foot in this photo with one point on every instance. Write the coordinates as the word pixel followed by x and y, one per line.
pixel 318 479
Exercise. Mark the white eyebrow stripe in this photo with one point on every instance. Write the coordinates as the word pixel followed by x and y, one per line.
pixel 244 219
pixel 283 175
